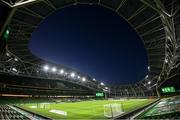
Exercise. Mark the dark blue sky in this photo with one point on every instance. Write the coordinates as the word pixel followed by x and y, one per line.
pixel 94 40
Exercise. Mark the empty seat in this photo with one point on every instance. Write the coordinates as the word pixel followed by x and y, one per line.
pixel 7 113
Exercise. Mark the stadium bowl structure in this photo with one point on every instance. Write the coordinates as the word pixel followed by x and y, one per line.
pixel 155 21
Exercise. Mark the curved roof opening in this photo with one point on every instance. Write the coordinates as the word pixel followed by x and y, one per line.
pixel 94 40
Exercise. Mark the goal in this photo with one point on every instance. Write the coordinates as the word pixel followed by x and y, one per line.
pixel 43 105
pixel 113 110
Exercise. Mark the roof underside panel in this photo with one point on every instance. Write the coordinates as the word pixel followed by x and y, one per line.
pixel 113 4
pixel 87 1
pixel 145 21
pixel 62 3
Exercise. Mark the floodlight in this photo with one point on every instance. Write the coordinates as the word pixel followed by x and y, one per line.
pixel 54 69
pixel 168 38
pixel 16 59
pixel 62 71
pixel 79 77
pixel 6 34
pixel 166 60
pixel 94 79
pixel 148 67
pixel 8 54
pixel 102 83
pixel 106 88
pixel 14 69
pixel 149 82
pixel 46 67
pixel 83 79
pixel 73 75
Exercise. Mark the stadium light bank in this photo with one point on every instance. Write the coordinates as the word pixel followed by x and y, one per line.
pixel 46 68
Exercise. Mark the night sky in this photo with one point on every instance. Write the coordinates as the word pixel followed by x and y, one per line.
pixel 94 40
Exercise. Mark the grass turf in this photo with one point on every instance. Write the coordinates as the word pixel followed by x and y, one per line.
pixel 85 109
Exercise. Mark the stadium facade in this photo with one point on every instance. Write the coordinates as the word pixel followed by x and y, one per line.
pixel 155 21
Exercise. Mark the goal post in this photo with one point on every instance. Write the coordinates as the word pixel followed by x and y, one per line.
pixel 113 110
pixel 43 105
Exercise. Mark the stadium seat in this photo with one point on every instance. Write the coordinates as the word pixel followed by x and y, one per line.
pixel 8 113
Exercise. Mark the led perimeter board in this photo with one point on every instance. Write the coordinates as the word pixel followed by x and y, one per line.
pixel 99 94
pixel 168 89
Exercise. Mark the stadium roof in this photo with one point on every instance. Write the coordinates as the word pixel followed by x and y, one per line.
pixel 152 20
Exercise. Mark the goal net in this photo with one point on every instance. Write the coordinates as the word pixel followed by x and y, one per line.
pixel 43 105
pixel 113 110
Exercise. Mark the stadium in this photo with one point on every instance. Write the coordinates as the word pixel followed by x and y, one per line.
pixel 33 88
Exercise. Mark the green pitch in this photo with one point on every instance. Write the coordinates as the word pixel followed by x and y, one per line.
pixel 82 110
